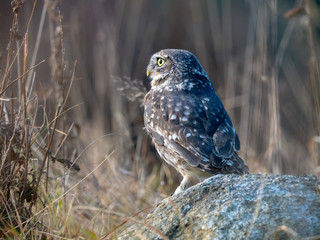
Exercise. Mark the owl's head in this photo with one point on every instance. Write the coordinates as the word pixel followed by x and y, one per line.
pixel 173 65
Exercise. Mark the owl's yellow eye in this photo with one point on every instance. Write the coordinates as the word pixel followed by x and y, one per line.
pixel 160 62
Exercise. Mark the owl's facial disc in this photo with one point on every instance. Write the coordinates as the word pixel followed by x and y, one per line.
pixel 158 68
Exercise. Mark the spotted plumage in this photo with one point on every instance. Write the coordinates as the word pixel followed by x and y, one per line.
pixel 186 119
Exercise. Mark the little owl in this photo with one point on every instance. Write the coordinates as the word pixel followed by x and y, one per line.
pixel 188 124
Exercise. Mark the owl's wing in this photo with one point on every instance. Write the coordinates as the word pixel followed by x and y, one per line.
pixel 148 120
pixel 196 126
pixel 217 140
pixel 162 117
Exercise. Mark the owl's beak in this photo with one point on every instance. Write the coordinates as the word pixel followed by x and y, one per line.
pixel 148 72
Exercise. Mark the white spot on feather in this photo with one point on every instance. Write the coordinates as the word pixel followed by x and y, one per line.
pixel 158 130
pixel 169 88
pixel 205 160
pixel 184 118
pixel 230 163
pixel 175 136
pixel 180 86
pixel 190 86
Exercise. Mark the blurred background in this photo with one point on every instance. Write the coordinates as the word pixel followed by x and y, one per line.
pixel 262 57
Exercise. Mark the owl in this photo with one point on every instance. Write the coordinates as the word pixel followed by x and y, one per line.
pixel 187 121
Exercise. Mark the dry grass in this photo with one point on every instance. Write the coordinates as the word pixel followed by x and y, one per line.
pixel 75 160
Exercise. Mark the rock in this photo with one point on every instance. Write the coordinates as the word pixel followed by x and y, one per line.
pixel 237 207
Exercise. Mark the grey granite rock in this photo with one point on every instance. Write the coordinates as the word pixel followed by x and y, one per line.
pixel 237 207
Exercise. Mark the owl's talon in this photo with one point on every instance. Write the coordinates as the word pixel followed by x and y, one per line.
pixel 178 190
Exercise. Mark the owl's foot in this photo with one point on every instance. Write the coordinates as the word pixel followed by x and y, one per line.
pixel 185 181
pixel 178 190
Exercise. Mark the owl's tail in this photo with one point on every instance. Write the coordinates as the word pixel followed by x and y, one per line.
pixel 235 165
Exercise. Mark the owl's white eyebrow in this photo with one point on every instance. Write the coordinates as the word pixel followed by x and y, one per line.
pixel 161 56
